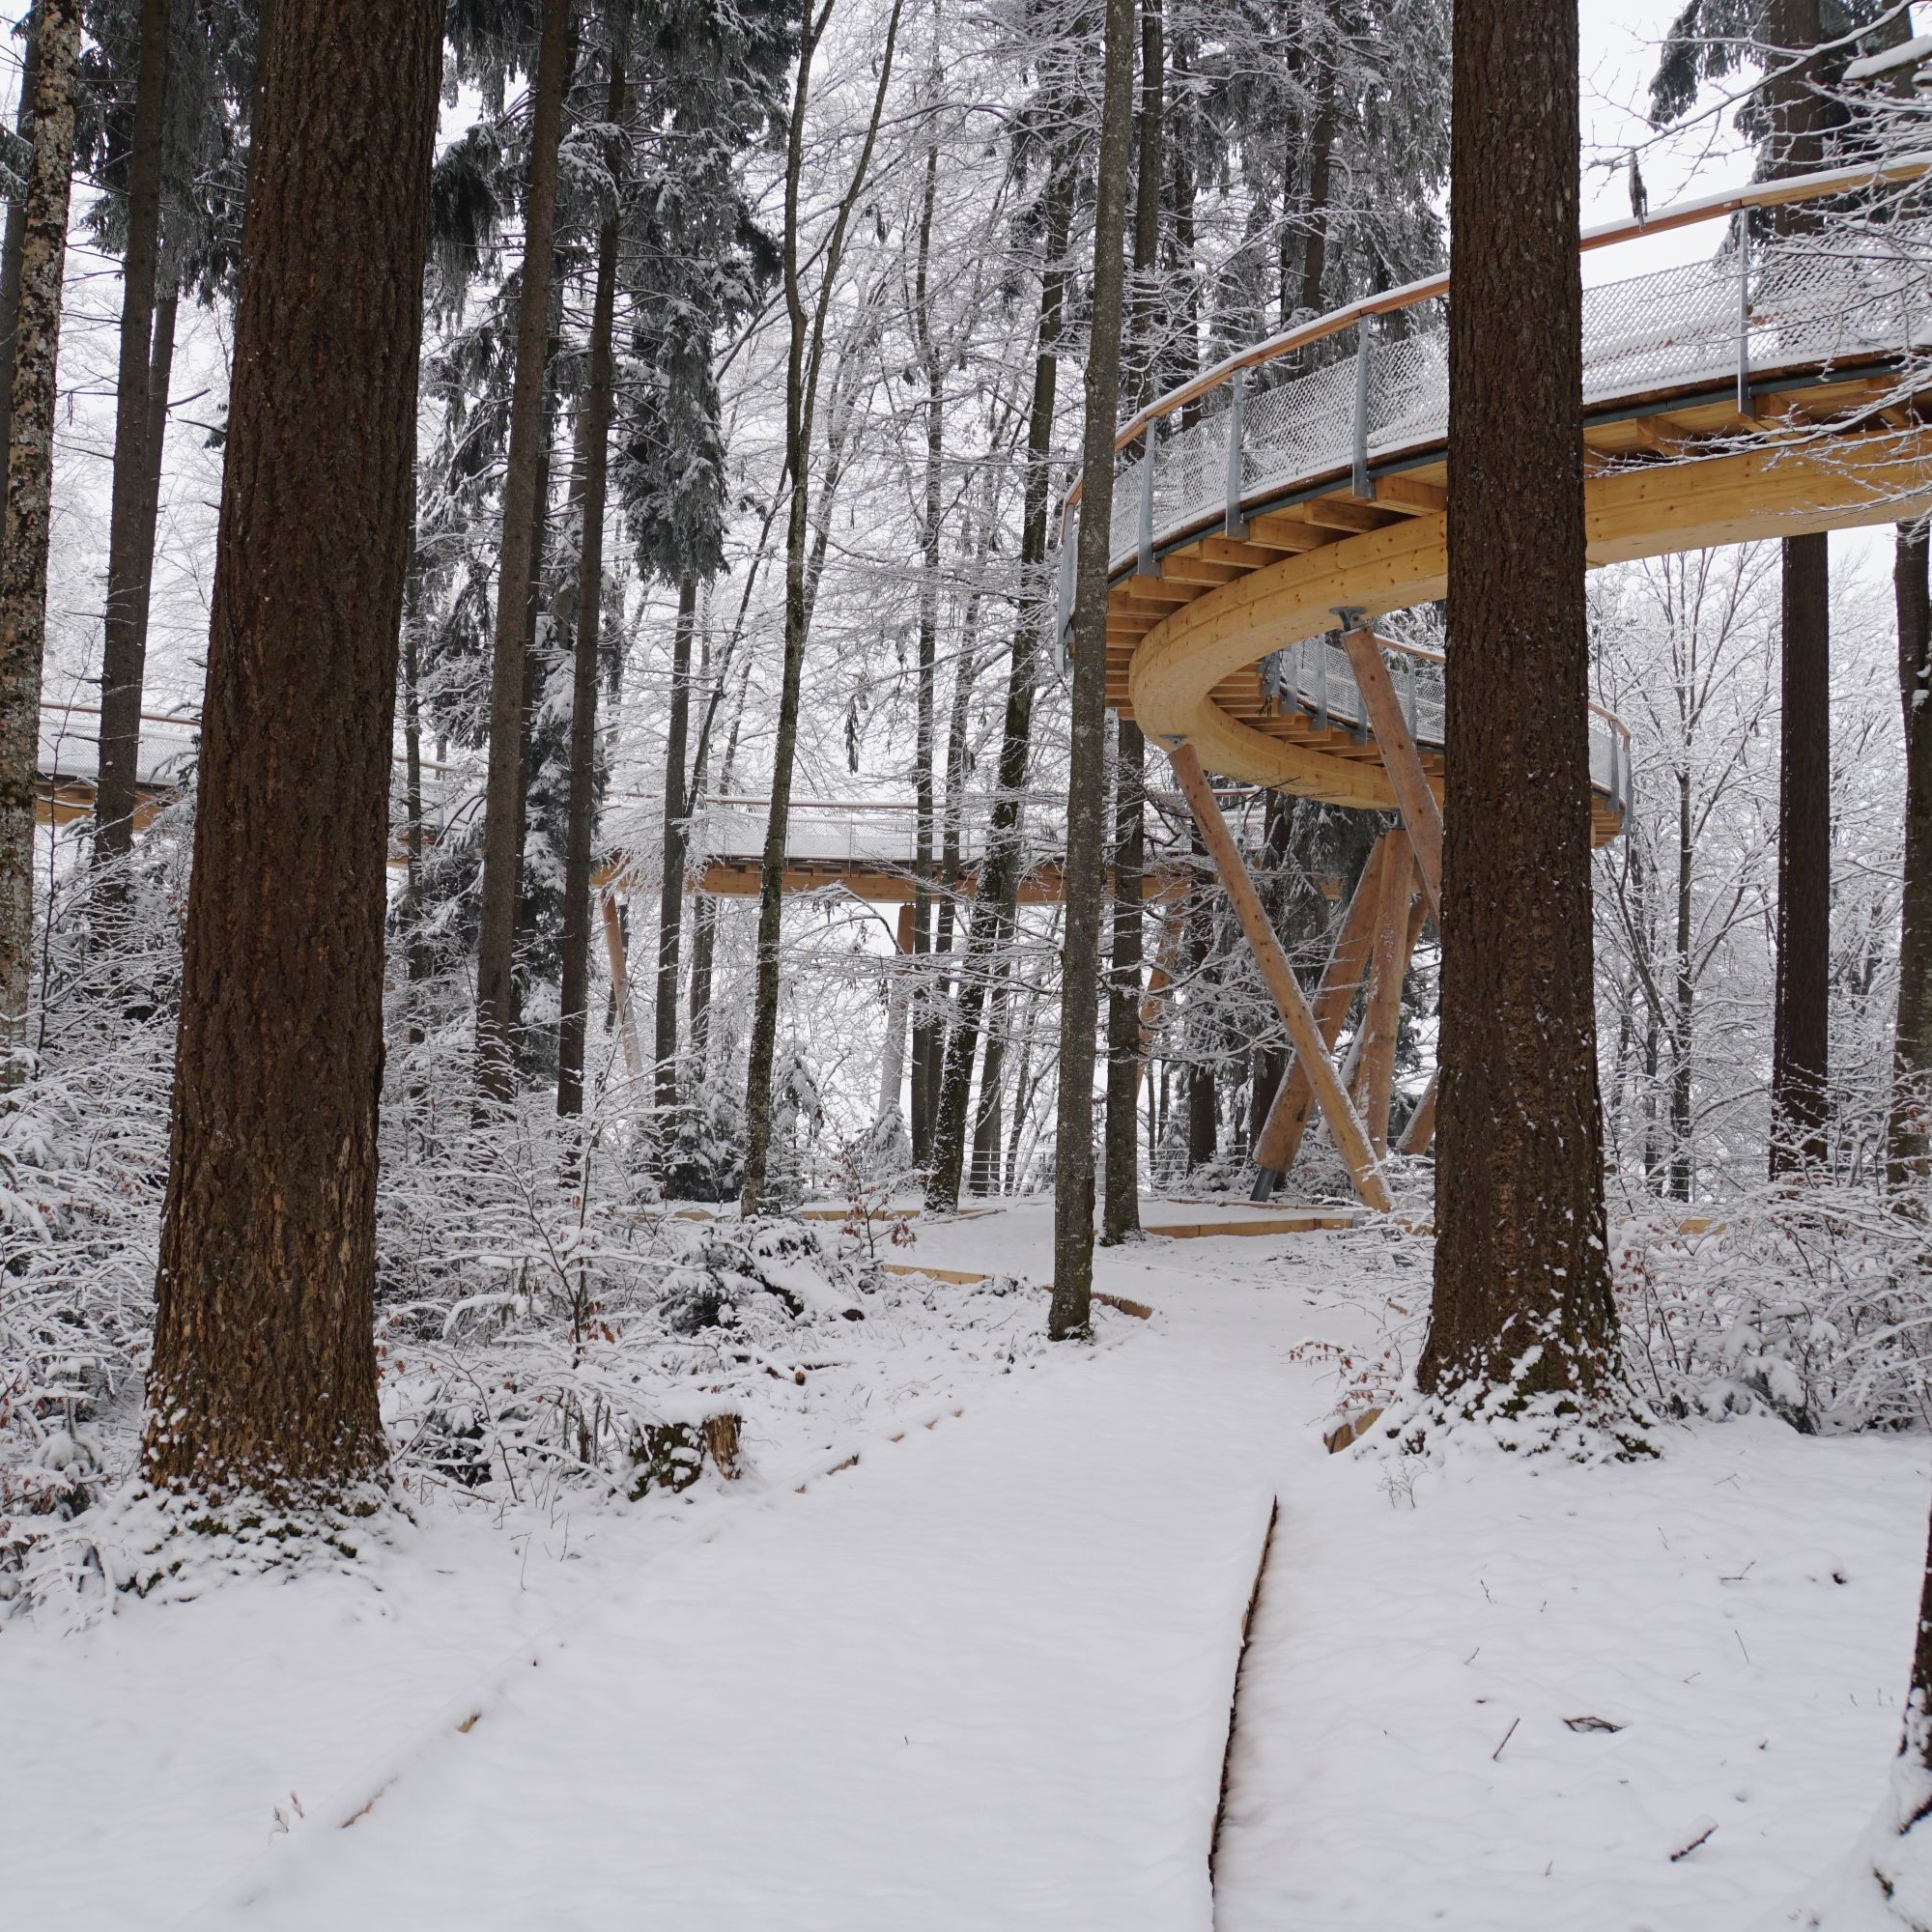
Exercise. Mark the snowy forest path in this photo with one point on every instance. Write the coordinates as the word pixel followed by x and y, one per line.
pixel 982 1678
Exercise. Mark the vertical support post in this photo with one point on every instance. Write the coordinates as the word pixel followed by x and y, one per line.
pixel 1352 1139
pixel 1382 1017
pixel 1409 704
pixel 1146 565
pixel 620 985
pixel 892 1058
pixel 1233 524
pixel 1363 484
pixel 1745 406
pixel 1281 1134
pixel 1322 684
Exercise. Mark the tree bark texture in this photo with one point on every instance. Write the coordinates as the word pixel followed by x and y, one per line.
pixel 1121 1197
pixel 1085 801
pixel 24 548
pixel 1909 1125
pixel 1801 1022
pixel 264 1376
pixel 590 472
pixel 502 824
pixel 17 226
pixel 1522 1294
pixel 130 536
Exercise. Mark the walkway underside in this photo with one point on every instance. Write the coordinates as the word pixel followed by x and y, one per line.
pixel 1183 646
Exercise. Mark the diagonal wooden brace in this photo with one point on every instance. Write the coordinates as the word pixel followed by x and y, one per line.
pixel 1421 814
pixel 1288 1114
pixel 1343 1122
pixel 620 985
pixel 1420 1128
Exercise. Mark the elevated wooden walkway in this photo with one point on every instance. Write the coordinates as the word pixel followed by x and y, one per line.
pixel 1266 512
pixel 1768 393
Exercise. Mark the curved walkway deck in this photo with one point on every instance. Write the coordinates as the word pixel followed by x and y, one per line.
pixel 1767 393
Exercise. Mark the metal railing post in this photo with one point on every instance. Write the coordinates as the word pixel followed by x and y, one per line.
pixel 1410 694
pixel 1744 408
pixel 1362 484
pixel 1146 565
pixel 1321 687
pixel 1233 524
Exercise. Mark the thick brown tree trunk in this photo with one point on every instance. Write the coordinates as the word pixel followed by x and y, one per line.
pixel 1800 1061
pixel 16 225
pixel 676 844
pixel 130 536
pixel 264 1375
pixel 1121 1196
pixel 589 472
pixel 994 907
pixel 1521 1289
pixel 1320 162
pixel 23 546
pixel 1801 1051
pixel 1909 1125
pixel 502 824
pixel 1087 759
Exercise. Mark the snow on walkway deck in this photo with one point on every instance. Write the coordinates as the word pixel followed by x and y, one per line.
pixel 982 1679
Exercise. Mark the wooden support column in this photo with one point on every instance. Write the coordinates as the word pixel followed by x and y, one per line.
pixel 1381 1018
pixel 1173 928
pixel 891 1060
pixel 1420 1128
pixel 1343 1122
pixel 620 985
pixel 1421 814
pixel 1287 1120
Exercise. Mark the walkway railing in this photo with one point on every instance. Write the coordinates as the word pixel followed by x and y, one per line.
pixel 1262 428
pixel 1317 677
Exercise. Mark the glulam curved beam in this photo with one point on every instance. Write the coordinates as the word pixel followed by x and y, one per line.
pixel 1820 482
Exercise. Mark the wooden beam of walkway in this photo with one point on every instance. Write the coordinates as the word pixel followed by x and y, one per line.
pixel 1343 1122
pixel 1382 1017
pixel 1287 1121
pixel 1415 797
pixel 620 985
pixel 1420 1128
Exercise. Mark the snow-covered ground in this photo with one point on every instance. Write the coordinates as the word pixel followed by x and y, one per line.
pixel 982 1676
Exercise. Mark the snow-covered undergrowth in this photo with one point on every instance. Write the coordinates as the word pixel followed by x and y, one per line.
pixel 552 1337
pixel 1813 1303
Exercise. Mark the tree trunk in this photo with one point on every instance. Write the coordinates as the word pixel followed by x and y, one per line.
pixel 1802 1017
pixel 1204 1130
pixel 807 336
pixel 925 1016
pixel 1521 1288
pixel 1909 1125
pixel 264 1375
pixel 1085 801
pixel 417 969
pixel 17 226
pixel 1685 993
pixel 1321 150
pixel 589 471
pixel 503 825
pixel 23 548
pixel 995 905
pixel 131 538
pixel 1120 1204
pixel 676 843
